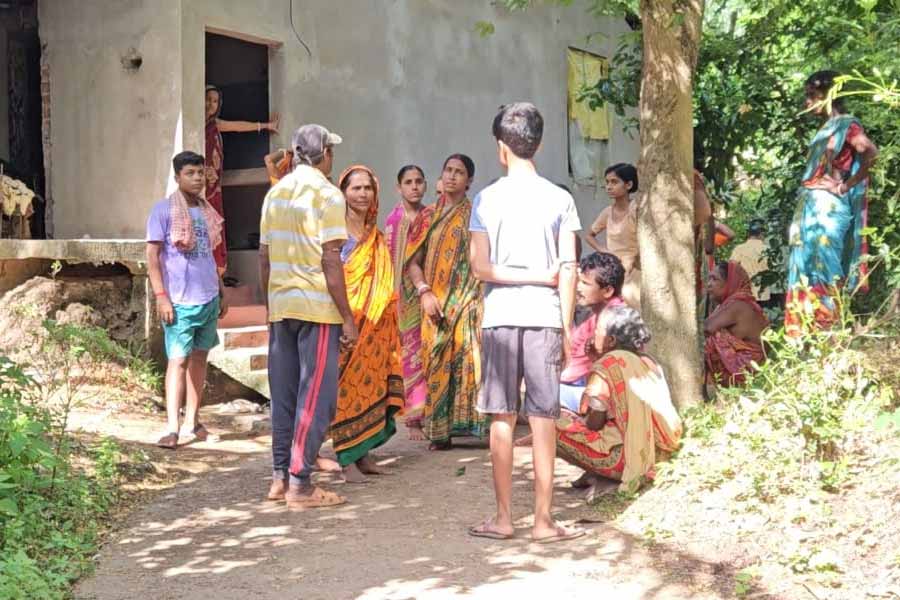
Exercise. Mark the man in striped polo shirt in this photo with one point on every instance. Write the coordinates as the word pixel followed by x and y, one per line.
pixel 302 230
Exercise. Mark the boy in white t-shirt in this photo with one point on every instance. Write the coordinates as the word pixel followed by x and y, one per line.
pixel 523 229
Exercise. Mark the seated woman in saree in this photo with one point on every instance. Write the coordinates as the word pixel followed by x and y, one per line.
pixel 439 272
pixel 733 329
pixel 370 380
pixel 627 421
pixel 826 235
pixel 598 289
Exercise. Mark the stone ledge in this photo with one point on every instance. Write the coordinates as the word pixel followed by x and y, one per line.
pixel 129 252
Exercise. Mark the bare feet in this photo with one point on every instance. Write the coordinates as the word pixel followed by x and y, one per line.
pixel 585 481
pixel 415 433
pixel 523 441
pixel 441 445
pixel 352 474
pixel 368 466
pixel 277 490
pixel 327 465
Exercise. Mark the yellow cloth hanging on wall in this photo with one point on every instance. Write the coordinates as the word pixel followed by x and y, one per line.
pixel 585 70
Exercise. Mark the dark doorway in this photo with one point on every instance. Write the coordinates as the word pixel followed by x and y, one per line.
pixel 21 141
pixel 240 69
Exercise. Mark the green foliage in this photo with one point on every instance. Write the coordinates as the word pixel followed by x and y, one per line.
pixel 788 429
pixel 754 59
pixel 748 97
pixel 484 28
pixel 95 341
pixel 50 513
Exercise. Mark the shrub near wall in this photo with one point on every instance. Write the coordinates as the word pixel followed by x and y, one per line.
pixel 50 512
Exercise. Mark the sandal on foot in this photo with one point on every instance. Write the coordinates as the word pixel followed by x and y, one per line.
pixel 277 490
pixel 168 441
pixel 486 530
pixel 562 535
pixel 319 498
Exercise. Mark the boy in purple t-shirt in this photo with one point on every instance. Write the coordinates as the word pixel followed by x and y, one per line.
pixel 182 232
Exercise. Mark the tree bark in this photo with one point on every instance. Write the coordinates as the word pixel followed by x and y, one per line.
pixel 671 37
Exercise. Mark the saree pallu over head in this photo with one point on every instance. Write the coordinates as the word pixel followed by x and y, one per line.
pixel 826 235
pixel 729 357
pixel 397 230
pixel 642 424
pixel 451 349
pixel 370 382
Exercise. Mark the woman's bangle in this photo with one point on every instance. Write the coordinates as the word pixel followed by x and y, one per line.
pixel 258 127
pixel 421 289
pixel 160 294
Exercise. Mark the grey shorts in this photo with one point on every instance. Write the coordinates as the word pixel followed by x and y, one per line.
pixel 511 354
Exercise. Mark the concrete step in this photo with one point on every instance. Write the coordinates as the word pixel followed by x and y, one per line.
pixel 247 359
pixel 242 355
pixel 254 336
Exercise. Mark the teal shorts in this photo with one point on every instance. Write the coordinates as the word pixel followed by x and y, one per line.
pixel 193 328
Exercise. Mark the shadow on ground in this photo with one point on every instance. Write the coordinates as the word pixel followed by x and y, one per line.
pixel 403 536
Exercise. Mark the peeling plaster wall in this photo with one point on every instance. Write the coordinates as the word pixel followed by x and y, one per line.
pixel 401 80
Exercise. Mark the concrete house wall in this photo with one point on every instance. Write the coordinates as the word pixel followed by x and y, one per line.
pixel 402 80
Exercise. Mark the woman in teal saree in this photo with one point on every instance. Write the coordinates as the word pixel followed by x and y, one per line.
pixel 826 236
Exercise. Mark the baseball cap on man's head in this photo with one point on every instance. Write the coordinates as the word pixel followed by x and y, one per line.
pixel 309 143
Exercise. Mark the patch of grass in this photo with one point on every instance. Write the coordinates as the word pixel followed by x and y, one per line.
pixel 50 511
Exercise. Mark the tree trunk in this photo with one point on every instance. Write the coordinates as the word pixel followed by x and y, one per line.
pixel 671 32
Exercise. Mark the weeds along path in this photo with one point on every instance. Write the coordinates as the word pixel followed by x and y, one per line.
pixel 401 536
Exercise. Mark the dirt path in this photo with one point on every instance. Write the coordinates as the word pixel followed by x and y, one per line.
pixel 401 537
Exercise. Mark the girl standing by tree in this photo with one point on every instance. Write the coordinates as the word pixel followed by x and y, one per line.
pixel 620 223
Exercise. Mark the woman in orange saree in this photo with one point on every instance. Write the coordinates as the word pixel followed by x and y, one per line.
pixel 733 329
pixel 370 381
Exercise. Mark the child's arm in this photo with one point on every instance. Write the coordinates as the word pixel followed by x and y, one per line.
pixel 164 308
pixel 598 227
pixel 484 270
pixel 223 303
pixel 271 161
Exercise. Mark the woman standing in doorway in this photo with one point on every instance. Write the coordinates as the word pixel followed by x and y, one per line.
pixel 215 158
pixel 412 187
pixel 370 381
pixel 826 236
pixel 620 223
